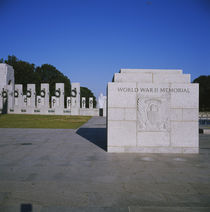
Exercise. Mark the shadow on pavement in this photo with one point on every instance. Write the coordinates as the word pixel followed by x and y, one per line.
pixel 96 136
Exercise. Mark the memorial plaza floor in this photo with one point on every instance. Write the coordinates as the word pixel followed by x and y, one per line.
pixel 69 170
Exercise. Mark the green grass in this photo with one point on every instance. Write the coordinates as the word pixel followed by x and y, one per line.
pixel 42 121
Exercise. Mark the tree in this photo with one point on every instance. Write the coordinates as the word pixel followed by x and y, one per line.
pixel 26 73
pixel 49 74
pixel 204 92
pixel 85 92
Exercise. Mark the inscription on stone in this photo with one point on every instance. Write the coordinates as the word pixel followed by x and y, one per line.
pixel 155 90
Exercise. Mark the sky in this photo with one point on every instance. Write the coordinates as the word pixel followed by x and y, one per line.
pixel 90 40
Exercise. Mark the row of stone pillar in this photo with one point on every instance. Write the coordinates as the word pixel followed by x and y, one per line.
pixel 84 105
pixel 42 100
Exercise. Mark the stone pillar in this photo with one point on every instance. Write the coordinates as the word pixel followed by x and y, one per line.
pixel 44 93
pixel 31 95
pixel 83 102
pixel 91 102
pixel 59 94
pixel 4 100
pixel 75 98
pixel 10 97
pixel 6 88
pixel 18 94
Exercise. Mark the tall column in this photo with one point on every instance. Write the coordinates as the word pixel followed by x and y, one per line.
pixel 91 103
pixel 18 94
pixel 44 93
pixel 75 98
pixel 83 102
pixel 6 88
pixel 59 93
pixel 4 100
pixel 31 94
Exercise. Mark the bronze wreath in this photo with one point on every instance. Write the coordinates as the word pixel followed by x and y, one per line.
pixel 28 94
pixel 42 93
pixel 74 92
pixel 16 94
pixel 4 94
pixel 58 93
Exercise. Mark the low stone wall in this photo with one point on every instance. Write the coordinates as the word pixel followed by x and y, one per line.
pixel 54 111
pixel 89 112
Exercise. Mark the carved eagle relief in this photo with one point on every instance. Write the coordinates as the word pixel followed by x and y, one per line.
pixel 152 114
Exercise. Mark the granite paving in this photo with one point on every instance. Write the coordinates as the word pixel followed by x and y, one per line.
pixel 70 170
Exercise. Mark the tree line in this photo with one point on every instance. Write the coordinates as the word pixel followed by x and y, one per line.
pixel 204 92
pixel 27 73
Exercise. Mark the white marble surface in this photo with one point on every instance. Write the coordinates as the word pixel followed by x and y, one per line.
pixel 160 116
pixel 83 102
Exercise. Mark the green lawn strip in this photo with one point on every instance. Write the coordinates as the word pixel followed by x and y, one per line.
pixel 42 121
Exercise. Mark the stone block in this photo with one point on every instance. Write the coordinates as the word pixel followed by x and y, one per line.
pixel 89 112
pixel 190 114
pixel 121 133
pixel 122 95
pixel 187 97
pixel 116 114
pixel 171 78
pixel 130 114
pixel 170 71
pixel 132 77
pixel 153 139
pixel 176 114
pixel 184 134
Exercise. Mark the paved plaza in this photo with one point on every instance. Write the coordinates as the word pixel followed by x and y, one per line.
pixel 70 170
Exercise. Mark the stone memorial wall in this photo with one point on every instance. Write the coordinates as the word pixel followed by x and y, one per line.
pixel 152 111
